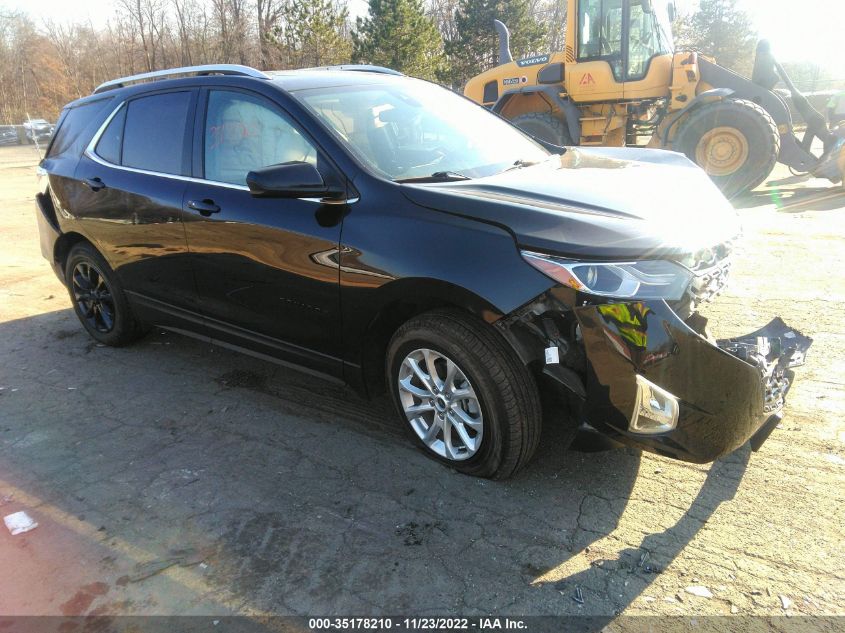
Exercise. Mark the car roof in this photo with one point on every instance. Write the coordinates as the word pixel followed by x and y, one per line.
pixel 286 80
pixel 309 78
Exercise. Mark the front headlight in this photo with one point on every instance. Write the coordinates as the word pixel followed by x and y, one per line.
pixel 648 279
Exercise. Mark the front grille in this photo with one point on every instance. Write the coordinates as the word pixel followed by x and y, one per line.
pixel 710 267
pixel 709 282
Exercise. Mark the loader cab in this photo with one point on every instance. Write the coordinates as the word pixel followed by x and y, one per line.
pixel 623 49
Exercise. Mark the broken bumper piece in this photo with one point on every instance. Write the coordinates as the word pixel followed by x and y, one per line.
pixel 655 383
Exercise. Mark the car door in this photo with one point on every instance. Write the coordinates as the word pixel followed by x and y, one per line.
pixel 599 73
pixel 131 182
pixel 264 271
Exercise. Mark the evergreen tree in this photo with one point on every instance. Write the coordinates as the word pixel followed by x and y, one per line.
pixel 314 33
pixel 722 30
pixel 399 35
pixel 476 47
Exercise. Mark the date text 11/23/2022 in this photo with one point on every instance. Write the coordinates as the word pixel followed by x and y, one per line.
pixel 418 624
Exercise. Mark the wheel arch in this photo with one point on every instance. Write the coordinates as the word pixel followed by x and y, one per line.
pixel 743 88
pixel 65 243
pixel 706 97
pixel 551 96
pixel 402 300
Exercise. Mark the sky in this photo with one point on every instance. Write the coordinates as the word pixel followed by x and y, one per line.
pixel 799 30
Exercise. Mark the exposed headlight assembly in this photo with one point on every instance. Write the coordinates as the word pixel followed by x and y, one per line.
pixel 648 279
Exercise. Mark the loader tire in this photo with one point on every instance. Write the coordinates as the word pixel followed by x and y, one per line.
pixel 544 126
pixel 735 141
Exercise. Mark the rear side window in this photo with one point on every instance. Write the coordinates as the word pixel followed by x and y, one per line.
pixel 154 133
pixel 111 142
pixel 74 121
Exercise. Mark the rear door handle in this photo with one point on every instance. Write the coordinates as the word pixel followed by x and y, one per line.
pixel 205 207
pixel 94 184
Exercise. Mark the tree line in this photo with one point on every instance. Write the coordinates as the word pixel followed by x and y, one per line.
pixel 45 64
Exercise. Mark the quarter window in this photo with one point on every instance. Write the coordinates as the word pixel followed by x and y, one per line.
pixel 110 143
pixel 154 133
pixel 68 138
pixel 245 132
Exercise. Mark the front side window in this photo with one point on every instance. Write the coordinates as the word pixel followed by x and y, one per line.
pixel 154 133
pixel 245 132
pixel 412 129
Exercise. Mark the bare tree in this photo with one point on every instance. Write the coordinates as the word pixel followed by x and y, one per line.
pixel 269 12
pixel 183 10
pixel 65 38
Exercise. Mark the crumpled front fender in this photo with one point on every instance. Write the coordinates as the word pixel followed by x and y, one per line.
pixel 723 400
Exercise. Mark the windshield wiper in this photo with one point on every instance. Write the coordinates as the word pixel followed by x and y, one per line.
pixel 438 176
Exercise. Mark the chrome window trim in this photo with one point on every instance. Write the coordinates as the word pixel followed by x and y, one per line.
pixel 90 152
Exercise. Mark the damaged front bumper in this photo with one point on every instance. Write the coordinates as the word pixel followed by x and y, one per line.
pixel 644 377
pixel 725 393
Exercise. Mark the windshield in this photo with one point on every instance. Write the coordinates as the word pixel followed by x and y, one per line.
pixel 413 129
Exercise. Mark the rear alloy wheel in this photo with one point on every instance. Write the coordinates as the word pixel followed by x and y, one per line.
pixel 93 297
pixel 463 395
pixel 735 141
pixel 98 298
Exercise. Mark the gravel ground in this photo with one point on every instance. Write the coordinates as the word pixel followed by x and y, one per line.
pixel 173 477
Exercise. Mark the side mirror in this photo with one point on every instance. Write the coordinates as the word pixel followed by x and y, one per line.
pixel 295 179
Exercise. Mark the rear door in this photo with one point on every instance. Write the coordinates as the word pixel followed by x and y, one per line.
pixel 132 181
pixel 265 267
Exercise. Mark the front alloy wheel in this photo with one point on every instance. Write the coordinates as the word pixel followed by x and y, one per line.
pixel 441 404
pixel 462 393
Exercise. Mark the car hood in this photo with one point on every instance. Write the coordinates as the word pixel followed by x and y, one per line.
pixel 595 202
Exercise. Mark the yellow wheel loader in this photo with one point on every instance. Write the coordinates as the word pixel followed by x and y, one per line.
pixel 619 82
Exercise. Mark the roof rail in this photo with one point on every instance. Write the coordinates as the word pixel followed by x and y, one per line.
pixel 209 69
pixel 366 68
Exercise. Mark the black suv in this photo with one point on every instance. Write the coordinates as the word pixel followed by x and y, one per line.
pixel 383 231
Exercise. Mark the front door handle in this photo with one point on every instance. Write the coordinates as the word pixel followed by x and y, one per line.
pixel 205 207
pixel 94 184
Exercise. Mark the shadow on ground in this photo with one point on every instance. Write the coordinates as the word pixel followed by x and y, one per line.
pixel 306 499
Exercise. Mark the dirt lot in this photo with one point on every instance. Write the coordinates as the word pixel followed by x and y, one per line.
pixel 172 477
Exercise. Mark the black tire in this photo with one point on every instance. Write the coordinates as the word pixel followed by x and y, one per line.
pixel 545 127
pixel 507 393
pixel 108 319
pixel 744 120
